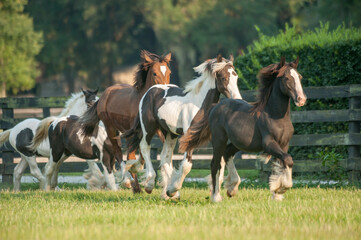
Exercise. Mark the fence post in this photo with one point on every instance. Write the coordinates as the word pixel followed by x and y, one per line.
pixel 46 112
pixel 7 155
pixel 353 150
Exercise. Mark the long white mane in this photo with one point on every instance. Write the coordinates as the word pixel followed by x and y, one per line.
pixel 207 71
pixel 75 105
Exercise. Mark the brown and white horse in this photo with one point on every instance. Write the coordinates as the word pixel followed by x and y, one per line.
pixel 66 139
pixel 22 134
pixel 118 106
pixel 263 126
pixel 172 110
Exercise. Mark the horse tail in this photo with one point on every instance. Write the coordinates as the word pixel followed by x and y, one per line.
pixel 134 135
pixel 197 134
pixel 89 120
pixel 4 136
pixel 42 132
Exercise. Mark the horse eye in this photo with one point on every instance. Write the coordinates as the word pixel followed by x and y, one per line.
pixel 154 74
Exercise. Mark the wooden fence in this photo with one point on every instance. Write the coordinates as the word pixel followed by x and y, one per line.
pixel 352 139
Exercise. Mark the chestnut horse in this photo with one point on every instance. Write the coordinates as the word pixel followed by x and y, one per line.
pixel 118 106
pixel 263 126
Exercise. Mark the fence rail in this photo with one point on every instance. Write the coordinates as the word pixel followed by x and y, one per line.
pixel 352 139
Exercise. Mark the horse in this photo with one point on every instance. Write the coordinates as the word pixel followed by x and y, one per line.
pixel 261 126
pixel 66 139
pixel 172 110
pixel 118 106
pixel 21 135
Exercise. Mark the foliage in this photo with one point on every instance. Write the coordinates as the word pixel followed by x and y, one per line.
pixel 19 44
pixel 332 160
pixel 306 213
pixel 90 39
pixel 327 58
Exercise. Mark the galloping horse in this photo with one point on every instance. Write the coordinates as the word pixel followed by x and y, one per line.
pixel 262 126
pixel 172 110
pixel 118 106
pixel 66 139
pixel 21 135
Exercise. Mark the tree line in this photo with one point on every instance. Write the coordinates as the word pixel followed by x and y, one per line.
pixel 89 40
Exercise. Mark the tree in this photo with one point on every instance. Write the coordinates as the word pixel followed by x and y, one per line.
pixel 19 44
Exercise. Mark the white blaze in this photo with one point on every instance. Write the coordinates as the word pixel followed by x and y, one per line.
pixel 163 69
pixel 232 85
pixel 298 85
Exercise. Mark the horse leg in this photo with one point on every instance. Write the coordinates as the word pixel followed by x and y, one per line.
pixel 179 175
pixel 166 164
pixel 150 173
pixel 18 173
pixel 221 176
pixel 281 177
pixel 135 183
pixel 35 171
pixel 54 177
pixel 233 180
pixel 109 177
pixel 94 176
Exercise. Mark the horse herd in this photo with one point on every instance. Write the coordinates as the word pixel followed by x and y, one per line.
pixel 90 127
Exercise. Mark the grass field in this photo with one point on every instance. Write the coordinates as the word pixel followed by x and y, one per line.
pixel 75 213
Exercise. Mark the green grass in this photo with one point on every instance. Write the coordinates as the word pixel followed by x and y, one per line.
pixel 306 213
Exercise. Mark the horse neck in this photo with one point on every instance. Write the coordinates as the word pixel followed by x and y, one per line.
pixel 78 107
pixel 206 93
pixel 278 104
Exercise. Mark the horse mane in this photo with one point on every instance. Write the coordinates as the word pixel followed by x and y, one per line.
pixel 70 103
pixel 143 67
pixel 266 78
pixel 207 70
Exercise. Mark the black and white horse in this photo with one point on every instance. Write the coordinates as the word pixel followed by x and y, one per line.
pixel 21 135
pixel 172 110
pixel 66 139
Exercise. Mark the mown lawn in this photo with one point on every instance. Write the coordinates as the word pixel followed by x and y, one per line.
pixel 75 213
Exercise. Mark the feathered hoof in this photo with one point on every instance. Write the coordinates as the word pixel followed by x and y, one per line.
pixel 277 197
pixel 216 198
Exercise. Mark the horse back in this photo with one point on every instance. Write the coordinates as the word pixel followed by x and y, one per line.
pixel 118 106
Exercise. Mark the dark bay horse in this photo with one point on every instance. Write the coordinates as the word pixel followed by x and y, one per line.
pixel 172 110
pixel 66 139
pixel 118 106
pixel 262 126
pixel 22 134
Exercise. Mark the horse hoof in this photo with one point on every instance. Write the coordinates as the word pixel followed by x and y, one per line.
pixel 149 191
pixel 170 194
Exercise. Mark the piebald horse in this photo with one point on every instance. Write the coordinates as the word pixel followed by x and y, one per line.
pixel 66 139
pixel 262 126
pixel 118 106
pixel 21 135
pixel 172 110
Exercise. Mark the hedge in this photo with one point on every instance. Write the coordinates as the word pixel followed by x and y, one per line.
pixel 326 57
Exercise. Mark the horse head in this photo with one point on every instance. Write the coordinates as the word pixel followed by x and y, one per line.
pixel 226 77
pixel 156 68
pixel 90 96
pixel 291 81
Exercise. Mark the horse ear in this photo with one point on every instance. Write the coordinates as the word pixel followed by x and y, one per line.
pixel 168 57
pixel 145 55
pixel 231 58
pixel 96 90
pixel 85 92
pixel 295 63
pixel 219 57
pixel 283 61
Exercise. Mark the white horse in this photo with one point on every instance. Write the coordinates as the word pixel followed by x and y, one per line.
pixel 21 136
pixel 172 110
